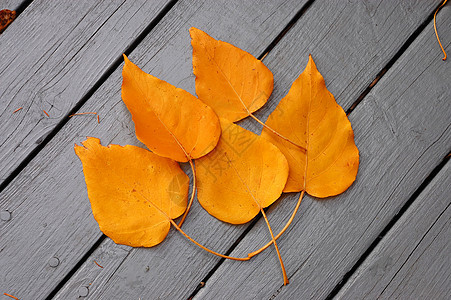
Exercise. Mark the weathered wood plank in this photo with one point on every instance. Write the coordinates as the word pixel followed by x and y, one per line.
pixel 194 264
pixel 413 261
pixel 52 54
pixel 10 4
pixel 86 280
pixel 52 215
pixel 403 131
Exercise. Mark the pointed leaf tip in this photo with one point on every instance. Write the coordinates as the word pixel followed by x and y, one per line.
pixel 230 80
pixel 331 162
pixel 168 120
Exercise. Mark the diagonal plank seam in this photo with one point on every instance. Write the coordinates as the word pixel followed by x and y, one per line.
pixel 72 271
pixel 86 97
pixel 389 226
pixel 287 28
pixel 366 91
pixel 415 248
pixel 396 188
pixel 265 52
pixel 395 57
pixel 84 44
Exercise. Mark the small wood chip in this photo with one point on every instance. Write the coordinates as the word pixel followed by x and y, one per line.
pixel 84 113
pixel 98 264
pixel 10 296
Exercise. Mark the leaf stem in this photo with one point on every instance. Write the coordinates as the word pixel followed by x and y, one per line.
pixel 252 254
pixel 193 193
pixel 185 234
pixel 205 248
pixel 435 29
pixel 275 132
pixel 284 272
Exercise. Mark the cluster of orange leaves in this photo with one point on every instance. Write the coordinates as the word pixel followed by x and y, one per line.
pixel 306 145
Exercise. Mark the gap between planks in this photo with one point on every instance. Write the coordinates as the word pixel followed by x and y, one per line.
pixel 359 99
pixel 389 226
pixel 262 56
pixel 371 86
pixel 94 89
pixel 88 94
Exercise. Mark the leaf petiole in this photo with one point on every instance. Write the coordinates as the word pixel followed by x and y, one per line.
pixel 205 248
pixel 187 236
pixel 284 273
pixel 252 254
pixel 193 193
pixel 435 29
pixel 275 132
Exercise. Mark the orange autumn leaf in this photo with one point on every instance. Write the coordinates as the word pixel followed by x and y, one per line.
pixel 169 121
pixel 133 192
pixel 241 174
pixel 231 81
pixel 310 116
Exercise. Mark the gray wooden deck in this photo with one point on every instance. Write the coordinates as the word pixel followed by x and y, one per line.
pixel 387 237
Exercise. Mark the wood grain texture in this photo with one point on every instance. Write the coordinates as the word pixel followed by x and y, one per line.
pixel 52 215
pixel 90 276
pixel 10 4
pixel 350 41
pixel 413 261
pixel 194 264
pixel 52 54
pixel 403 131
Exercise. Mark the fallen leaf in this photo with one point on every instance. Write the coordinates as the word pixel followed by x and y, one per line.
pixel 169 121
pixel 310 116
pixel 6 17
pixel 232 81
pixel 133 192
pixel 243 173
pixel 241 176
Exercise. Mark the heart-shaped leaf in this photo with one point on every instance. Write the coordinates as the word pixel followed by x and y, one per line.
pixel 133 192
